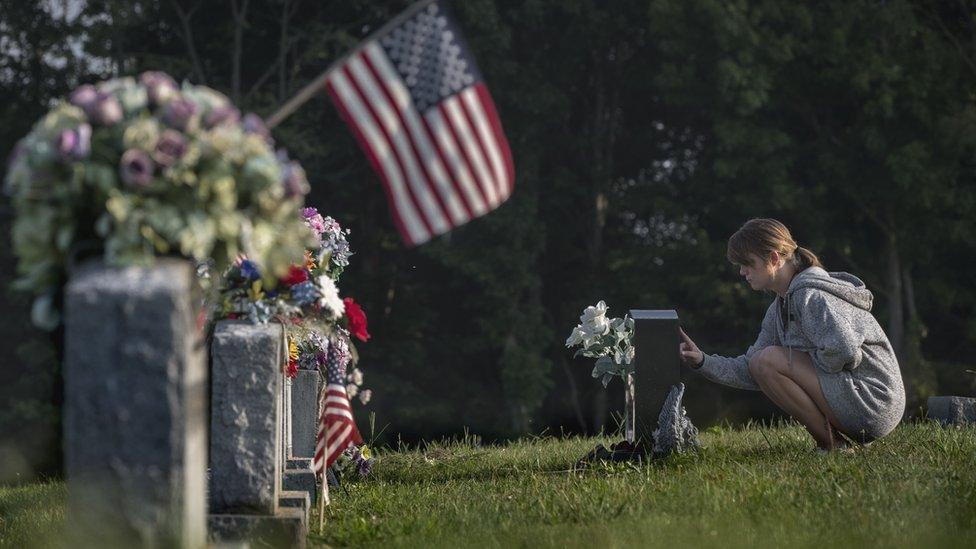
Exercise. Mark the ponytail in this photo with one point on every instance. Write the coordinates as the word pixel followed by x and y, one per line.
pixel 760 237
pixel 804 258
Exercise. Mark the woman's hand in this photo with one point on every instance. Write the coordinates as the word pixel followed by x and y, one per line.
pixel 691 355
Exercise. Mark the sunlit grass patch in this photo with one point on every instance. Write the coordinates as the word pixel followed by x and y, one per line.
pixel 753 486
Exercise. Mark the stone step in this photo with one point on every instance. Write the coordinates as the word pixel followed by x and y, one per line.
pixel 299 463
pixel 295 498
pixel 287 528
pixel 302 480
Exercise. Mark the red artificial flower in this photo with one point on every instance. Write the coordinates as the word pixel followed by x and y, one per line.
pixel 357 319
pixel 296 275
pixel 291 370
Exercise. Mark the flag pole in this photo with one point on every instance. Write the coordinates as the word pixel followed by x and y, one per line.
pixel 316 85
pixel 325 496
pixel 299 99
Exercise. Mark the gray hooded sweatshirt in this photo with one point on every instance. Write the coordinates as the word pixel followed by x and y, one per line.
pixel 829 318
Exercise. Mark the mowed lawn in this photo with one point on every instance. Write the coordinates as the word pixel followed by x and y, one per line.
pixel 747 487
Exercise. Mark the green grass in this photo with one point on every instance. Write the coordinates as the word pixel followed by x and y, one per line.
pixel 747 487
pixel 33 515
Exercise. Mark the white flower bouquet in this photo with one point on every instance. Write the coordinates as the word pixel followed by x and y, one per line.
pixel 608 340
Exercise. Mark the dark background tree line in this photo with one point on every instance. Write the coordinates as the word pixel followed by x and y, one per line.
pixel 644 133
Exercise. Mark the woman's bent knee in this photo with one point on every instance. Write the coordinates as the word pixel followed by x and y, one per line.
pixel 766 359
pixel 760 364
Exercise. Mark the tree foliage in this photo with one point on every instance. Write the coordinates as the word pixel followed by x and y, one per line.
pixel 644 133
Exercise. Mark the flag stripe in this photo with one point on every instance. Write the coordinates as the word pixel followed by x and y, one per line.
pixel 478 120
pixel 471 147
pixel 340 412
pixel 332 430
pixel 432 206
pixel 489 106
pixel 437 127
pixel 463 154
pixel 341 442
pixel 400 180
pixel 337 399
pixel 362 125
pixel 446 190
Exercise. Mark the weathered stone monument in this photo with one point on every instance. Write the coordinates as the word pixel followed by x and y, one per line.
pixel 656 368
pixel 246 441
pixel 952 410
pixel 304 414
pixel 135 434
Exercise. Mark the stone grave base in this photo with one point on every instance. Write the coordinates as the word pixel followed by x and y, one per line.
pixel 288 528
pixel 295 499
pixel 300 480
pixel 299 463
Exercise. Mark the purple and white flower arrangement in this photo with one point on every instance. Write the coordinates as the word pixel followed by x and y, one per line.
pixel 318 323
pixel 333 251
pixel 138 168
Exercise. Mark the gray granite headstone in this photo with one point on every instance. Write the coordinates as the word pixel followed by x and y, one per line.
pixel 952 410
pixel 656 366
pixel 135 432
pixel 304 413
pixel 247 442
pixel 245 431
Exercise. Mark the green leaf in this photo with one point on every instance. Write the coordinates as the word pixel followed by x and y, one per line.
pixel 604 365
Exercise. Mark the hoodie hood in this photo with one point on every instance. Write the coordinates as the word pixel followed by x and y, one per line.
pixel 839 284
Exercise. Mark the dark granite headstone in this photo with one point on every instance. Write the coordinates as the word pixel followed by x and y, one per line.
pixel 656 368
pixel 304 413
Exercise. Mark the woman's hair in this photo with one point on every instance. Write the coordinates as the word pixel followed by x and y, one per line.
pixel 762 236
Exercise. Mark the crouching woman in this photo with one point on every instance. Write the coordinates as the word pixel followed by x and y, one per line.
pixel 820 355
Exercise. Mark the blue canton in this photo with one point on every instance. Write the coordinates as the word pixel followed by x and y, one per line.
pixel 431 57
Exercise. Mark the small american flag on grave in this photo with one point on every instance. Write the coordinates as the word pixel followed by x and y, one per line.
pixel 337 428
pixel 416 102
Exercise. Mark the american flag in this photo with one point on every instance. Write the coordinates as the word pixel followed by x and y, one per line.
pixel 416 102
pixel 337 429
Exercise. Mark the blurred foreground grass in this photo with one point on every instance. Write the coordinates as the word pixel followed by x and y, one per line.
pixel 747 487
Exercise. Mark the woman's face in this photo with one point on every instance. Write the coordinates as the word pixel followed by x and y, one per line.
pixel 759 273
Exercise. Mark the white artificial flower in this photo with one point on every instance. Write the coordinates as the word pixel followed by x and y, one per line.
pixel 597 326
pixel 330 297
pixel 594 321
pixel 357 376
pixel 351 390
pixel 592 312
pixel 629 354
pixel 365 396
pixel 621 328
pixel 576 337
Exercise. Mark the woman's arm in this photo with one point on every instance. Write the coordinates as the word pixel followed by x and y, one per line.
pixel 828 322
pixel 734 372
